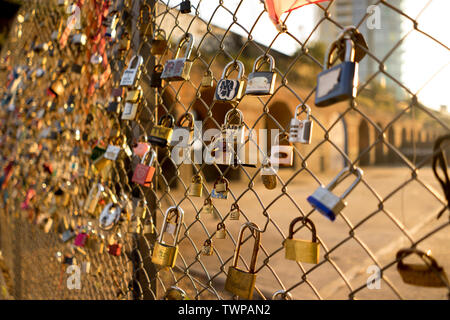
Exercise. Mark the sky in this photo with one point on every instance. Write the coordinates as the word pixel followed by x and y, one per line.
pixel 422 57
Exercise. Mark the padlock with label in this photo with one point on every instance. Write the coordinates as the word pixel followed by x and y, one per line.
pixel 183 134
pixel 143 173
pixel 231 90
pixel 301 130
pixel 161 134
pixel 132 101
pixel 281 155
pixel 301 250
pixel 93 197
pixel 235 212
pixel 133 72
pixel 112 152
pixel 208 79
pixel 178 69
pixel 269 175
pixel 164 254
pixel 159 43
pixel 262 83
pixel 109 216
pixel 221 232
pixel 239 282
pixel 208 248
pixel 428 274
pixel 338 83
pixel 196 187
pixel 220 189
pixel 155 78
pixel 329 204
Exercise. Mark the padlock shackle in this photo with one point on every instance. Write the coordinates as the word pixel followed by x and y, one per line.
pixel 169 117
pixel 179 213
pixel 220 225
pixel 305 106
pixel 160 32
pixel 158 68
pixel 152 156
pixel 233 112
pixel 277 138
pixel 401 254
pixel 221 179
pixel 254 228
pixel 189 40
pixel 261 60
pixel 197 179
pixel 187 116
pixel 132 65
pixel 306 221
pixel 141 12
pixel 236 65
pixel 346 171
pixel 283 293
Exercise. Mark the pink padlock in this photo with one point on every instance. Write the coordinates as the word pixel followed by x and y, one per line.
pixel 141 149
pixel 80 239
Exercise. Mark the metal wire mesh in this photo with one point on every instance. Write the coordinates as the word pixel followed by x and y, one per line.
pixel 366 233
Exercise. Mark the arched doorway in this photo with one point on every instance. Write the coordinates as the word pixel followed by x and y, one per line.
pixel 391 153
pixel 338 135
pixel 363 133
pixel 379 154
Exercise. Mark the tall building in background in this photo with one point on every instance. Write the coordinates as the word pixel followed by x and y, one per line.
pixel 380 41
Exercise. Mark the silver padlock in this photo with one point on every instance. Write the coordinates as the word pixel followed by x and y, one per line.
pixel 178 69
pixel 262 83
pixel 231 90
pixel 110 216
pixel 112 152
pixel 329 204
pixel 301 130
pixel 133 72
pixel 281 155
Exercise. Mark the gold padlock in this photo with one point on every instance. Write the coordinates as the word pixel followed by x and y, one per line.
pixel 221 185
pixel 429 274
pixel 164 254
pixel 269 176
pixel 159 43
pixel 183 131
pixel 161 134
pixel 196 188
pixel 208 248
pixel 301 250
pixel 235 212
pixel 239 282
pixel 208 207
pixel 208 79
pixel 221 232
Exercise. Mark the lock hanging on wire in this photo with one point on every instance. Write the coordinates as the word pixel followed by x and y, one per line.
pixel 301 130
pixel 262 83
pixel 301 250
pixel 231 90
pixel 143 173
pixel 178 69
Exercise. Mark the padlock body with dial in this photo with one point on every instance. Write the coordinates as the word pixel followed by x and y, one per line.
pixel 160 135
pixel 230 90
pixel 301 250
pixel 300 131
pixel 164 255
pixel 177 69
pixel 240 283
pixel 326 203
pixel 261 83
pixel 337 84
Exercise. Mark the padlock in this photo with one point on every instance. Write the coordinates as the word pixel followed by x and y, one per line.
pixel 145 24
pixel 141 149
pixel 159 43
pixel 178 69
pixel 220 189
pixel 164 254
pixel 282 294
pixel 81 239
pixel 133 72
pixel 235 212
pixel 429 274
pixel 143 174
pixel 131 104
pixel 111 24
pixel 67 235
pixel 301 130
pixel 95 243
pixel 57 88
pixel 109 216
pixel 79 39
pixel 91 201
pixel 185 6
pixel 112 152
pixel 208 248
pixel 208 79
pixel 183 134
pixel 155 78
pixel 124 44
pixel 221 232
pixel 115 249
pixel 208 207
pixel 301 250
pixel 175 293
pixel 231 90
pixel 328 203
pixel 161 134
pixel 338 83
pixel 86 267
pixel 235 129
pixel 196 188
pixel 269 176
pixel 281 155
pixel 140 210
pixel 262 83
pixel 239 282
pixel 148 226
pixel 219 151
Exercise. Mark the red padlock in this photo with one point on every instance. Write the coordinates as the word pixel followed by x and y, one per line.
pixel 115 249
pixel 143 174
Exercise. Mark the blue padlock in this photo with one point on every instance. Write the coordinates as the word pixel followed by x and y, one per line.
pixel 340 82
pixel 329 204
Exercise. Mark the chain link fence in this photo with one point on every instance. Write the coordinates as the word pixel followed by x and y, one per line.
pixel 53 133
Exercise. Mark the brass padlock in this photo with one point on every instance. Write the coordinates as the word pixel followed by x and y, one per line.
pixel 235 212
pixel 183 131
pixel 145 27
pixel 239 282
pixel 196 188
pixel 161 134
pixel 220 189
pixel 261 83
pixel 208 207
pixel 178 69
pixel 208 79
pixel 131 104
pixel 208 248
pixel 269 176
pixel 429 274
pixel 301 250
pixel 159 43
pixel 221 232
pixel 163 254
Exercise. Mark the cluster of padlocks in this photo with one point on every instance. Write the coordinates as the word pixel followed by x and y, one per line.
pixel 110 208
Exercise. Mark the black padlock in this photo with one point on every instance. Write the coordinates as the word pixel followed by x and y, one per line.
pixel 338 83
pixel 185 6
pixel 113 107
pixel 155 80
